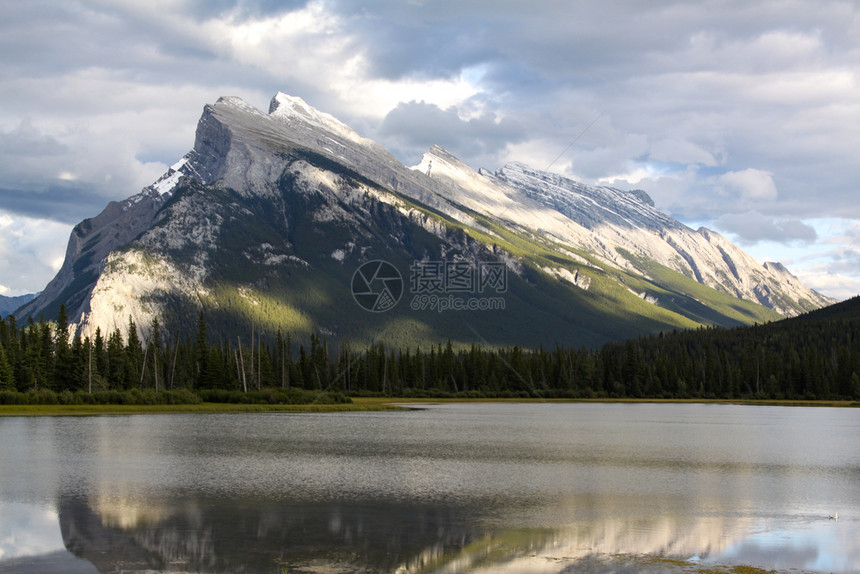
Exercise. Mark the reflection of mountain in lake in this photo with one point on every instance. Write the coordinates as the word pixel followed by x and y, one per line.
pixel 455 488
pixel 253 536
pixel 259 536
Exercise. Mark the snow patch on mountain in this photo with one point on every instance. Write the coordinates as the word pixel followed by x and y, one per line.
pixel 165 184
pixel 295 110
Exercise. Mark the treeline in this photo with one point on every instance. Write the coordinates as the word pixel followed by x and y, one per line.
pixel 40 363
pixel 812 359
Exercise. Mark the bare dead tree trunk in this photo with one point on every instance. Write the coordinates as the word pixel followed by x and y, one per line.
pixel 244 380
pixel 90 368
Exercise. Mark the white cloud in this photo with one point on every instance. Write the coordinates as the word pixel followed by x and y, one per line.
pixel 751 227
pixel 838 287
pixel 415 126
pixel 31 252
pixel 28 530
pixel 750 183
pixel 830 264
pixel 681 151
pixel 314 46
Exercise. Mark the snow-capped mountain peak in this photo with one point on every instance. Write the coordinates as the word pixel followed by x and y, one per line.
pixel 289 108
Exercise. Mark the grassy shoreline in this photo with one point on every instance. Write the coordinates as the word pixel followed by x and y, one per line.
pixel 361 404
pixel 754 402
pixel 201 408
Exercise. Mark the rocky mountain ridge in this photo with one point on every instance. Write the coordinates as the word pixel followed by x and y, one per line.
pixel 614 224
pixel 269 215
pixel 9 304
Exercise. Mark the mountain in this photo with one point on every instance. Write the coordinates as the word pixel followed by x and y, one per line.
pixel 624 229
pixel 8 305
pixel 290 220
pixel 848 310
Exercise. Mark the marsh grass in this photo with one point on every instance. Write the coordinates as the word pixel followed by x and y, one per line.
pixel 654 563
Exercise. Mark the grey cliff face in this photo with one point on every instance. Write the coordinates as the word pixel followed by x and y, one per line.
pixel 89 244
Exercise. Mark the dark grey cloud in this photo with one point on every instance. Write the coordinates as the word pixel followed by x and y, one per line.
pixel 566 41
pixel 46 40
pixel 26 140
pixel 415 126
pixel 68 204
pixel 423 39
pixel 41 177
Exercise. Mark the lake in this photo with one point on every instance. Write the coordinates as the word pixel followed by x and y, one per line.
pixel 543 488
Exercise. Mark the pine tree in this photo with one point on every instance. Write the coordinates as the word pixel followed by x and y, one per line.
pixel 7 375
pixel 116 361
pixel 204 371
pixel 63 368
pixel 99 358
pixel 134 355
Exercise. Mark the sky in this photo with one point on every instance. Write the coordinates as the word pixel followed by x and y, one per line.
pixel 738 116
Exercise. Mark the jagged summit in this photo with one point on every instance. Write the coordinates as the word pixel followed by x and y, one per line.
pixel 289 108
pixel 267 217
pixel 588 205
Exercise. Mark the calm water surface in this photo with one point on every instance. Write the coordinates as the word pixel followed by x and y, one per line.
pixel 454 488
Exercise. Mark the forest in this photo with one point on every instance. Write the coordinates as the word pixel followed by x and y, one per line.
pixel 812 357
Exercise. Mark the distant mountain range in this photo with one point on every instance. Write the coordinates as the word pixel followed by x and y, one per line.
pixel 290 220
pixel 8 305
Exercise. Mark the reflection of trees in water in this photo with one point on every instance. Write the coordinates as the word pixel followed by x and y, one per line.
pixel 252 536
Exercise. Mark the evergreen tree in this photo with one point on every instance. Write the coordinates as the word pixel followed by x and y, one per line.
pixel 117 371
pixel 99 356
pixel 63 368
pixel 7 375
pixel 320 362
pixel 204 372
pixel 133 356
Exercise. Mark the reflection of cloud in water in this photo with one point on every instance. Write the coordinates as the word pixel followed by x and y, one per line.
pixel 124 513
pixel 28 530
pixel 554 551
pixel 822 546
pixel 650 544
